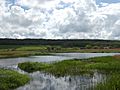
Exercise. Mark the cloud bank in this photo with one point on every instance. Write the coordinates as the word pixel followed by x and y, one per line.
pixel 59 19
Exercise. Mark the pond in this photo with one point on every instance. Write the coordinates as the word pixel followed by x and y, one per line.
pixel 43 81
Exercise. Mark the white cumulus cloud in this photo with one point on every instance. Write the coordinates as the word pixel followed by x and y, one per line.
pixel 60 19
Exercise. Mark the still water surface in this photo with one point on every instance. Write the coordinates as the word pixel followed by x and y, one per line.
pixel 42 81
pixel 51 58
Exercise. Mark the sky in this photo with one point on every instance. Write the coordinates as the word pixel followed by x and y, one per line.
pixel 60 19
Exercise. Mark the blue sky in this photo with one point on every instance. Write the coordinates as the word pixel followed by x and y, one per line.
pixel 12 2
pixel 108 1
pixel 98 1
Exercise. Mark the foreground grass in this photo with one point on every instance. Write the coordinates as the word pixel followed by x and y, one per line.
pixel 112 82
pixel 11 79
pixel 109 65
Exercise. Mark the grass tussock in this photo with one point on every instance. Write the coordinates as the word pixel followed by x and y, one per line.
pixel 33 66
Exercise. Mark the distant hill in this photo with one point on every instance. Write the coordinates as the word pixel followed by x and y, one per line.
pixel 62 42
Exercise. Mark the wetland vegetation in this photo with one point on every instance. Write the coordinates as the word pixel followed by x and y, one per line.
pixel 10 79
pixel 109 65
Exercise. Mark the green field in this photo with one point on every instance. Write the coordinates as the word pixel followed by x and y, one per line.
pixel 11 51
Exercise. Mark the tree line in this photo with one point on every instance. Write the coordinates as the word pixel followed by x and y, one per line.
pixel 82 43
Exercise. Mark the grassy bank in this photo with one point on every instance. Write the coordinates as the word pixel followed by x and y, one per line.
pixel 11 79
pixel 14 54
pixel 99 50
pixel 109 65
pixel 11 51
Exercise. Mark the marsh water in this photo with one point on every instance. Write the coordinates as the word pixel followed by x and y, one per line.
pixel 43 81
